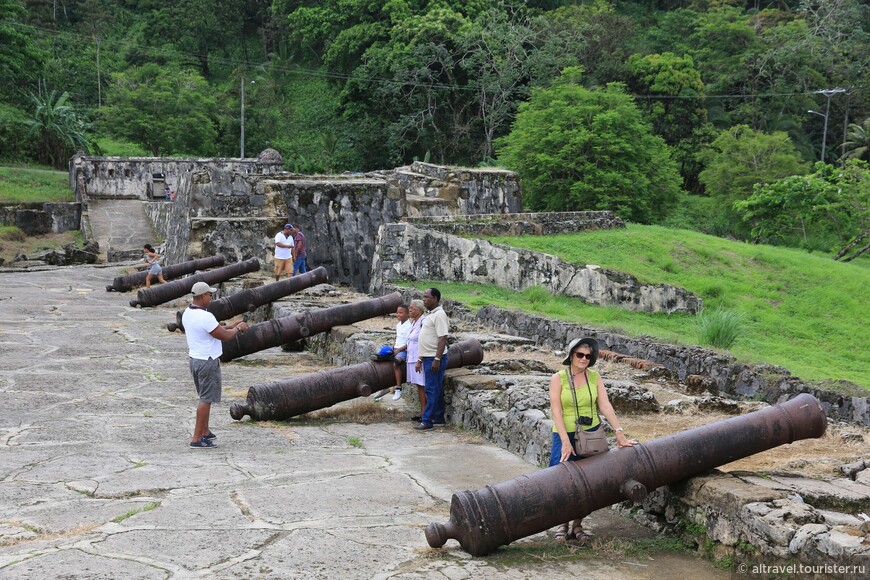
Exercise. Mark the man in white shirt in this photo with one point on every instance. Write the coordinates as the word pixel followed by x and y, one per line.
pixel 433 359
pixel 284 252
pixel 204 336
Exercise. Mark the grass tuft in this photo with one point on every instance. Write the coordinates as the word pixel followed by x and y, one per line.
pixel 719 328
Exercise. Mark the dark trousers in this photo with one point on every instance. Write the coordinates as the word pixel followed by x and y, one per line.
pixel 435 404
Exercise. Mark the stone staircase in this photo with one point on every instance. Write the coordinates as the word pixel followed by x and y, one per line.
pixel 121 227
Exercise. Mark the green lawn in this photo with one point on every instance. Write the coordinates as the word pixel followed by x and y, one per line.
pixel 799 310
pixel 26 185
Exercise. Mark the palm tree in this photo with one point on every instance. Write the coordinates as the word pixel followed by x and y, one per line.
pixel 858 145
pixel 56 128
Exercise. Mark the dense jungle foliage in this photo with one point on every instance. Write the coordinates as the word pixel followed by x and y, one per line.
pixel 741 118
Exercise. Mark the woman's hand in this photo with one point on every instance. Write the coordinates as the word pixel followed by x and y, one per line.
pixel 419 366
pixel 623 441
pixel 567 449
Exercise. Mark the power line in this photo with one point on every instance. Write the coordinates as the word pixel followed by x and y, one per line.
pixel 316 73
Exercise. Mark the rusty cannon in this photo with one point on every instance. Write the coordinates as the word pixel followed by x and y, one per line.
pixel 291 397
pixel 130 281
pixel 485 519
pixel 178 288
pixel 280 331
pixel 249 300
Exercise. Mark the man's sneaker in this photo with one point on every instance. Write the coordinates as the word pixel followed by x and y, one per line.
pixel 397 395
pixel 209 437
pixel 203 444
pixel 420 427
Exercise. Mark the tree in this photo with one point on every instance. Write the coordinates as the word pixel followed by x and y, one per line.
pixel 164 109
pixel 829 207
pixel 740 157
pixel 18 55
pixel 581 149
pixel 858 145
pixel 57 129
pixel 673 100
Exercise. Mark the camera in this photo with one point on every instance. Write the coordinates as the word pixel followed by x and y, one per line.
pixel 585 420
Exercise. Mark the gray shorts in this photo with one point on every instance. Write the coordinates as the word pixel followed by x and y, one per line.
pixel 155 269
pixel 207 378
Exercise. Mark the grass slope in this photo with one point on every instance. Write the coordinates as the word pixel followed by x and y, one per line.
pixel 799 310
pixel 24 185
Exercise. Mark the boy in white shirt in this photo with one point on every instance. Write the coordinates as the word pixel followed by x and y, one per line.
pixel 400 354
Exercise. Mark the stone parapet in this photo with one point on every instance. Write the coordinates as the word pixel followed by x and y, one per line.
pixel 408 252
pixel 743 381
pixel 520 224
pixel 37 219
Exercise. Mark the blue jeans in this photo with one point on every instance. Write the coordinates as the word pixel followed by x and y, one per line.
pixel 300 266
pixel 556 447
pixel 435 405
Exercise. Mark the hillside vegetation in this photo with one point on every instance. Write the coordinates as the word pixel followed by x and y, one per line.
pixel 22 185
pixel 797 309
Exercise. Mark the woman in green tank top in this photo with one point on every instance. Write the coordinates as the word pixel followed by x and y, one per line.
pixel 591 399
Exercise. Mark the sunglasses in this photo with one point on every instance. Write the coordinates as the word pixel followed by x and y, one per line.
pixel 582 355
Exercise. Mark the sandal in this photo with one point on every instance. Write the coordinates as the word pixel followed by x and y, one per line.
pixel 580 536
pixel 561 533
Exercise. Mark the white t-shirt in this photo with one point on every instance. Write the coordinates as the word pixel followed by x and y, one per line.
pixel 198 323
pixel 283 253
pixel 403 330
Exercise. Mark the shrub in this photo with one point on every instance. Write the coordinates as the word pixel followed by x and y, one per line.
pixel 537 295
pixel 719 327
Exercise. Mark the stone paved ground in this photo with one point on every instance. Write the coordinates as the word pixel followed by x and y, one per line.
pixel 97 481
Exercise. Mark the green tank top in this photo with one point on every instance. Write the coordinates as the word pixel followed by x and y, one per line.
pixel 569 415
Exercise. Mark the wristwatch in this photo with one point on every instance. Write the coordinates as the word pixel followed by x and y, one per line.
pixel 619 430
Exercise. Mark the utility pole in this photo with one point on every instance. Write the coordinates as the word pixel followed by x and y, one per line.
pixel 242 147
pixel 828 93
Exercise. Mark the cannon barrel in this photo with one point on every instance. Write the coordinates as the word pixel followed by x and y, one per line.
pixel 485 519
pixel 172 290
pixel 290 397
pixel 124 283
pixel 280 331
pixel 249 300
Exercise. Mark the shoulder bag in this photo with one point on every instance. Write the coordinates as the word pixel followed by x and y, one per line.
pixel 586 443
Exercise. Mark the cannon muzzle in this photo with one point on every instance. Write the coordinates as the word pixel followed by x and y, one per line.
pixel 280 331
pixel 291 397
pixel 172 290
pixel 124 283
pixel 485 519
pixel 252 298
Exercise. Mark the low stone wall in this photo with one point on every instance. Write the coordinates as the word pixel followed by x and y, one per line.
pixel 761 382
pixel 521 224
pixel 407 252
pixel 42 218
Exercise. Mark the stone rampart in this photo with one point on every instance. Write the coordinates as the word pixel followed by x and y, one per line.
pixel 42 218
pixel 408 252
pixel 144 178
pixel 219 210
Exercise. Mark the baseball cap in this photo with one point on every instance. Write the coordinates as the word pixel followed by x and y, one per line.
pixel 201 288
pixel 288 226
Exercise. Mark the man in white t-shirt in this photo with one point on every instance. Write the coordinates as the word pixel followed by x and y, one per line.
pixel 204 336
pixel 284 252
